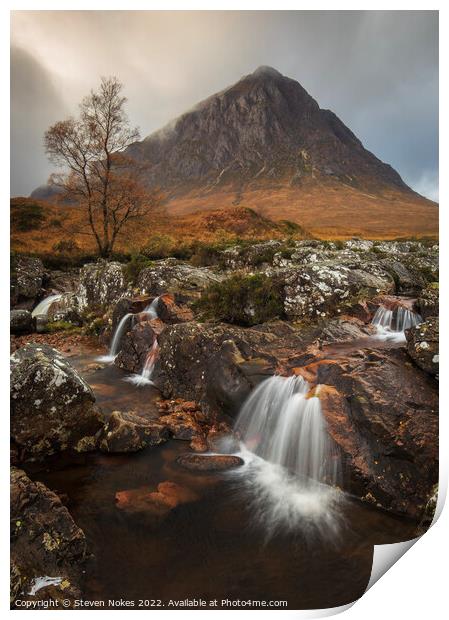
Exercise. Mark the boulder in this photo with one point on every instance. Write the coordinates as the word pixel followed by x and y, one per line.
pixel 170 276
pixel 250 256
pixel 216 365
pixel 428 302
pixel 423 344
pixel 21 322
pixel 26 279
pixel 325 289
pixel 170 312
pixel 129 305
pixel 45 541
pixel 381 410
pixel 136 344
pixel 53 409
pixel 57 281
pixel 67 308
pixel 215 462
pixel 101 284
pixel 129 432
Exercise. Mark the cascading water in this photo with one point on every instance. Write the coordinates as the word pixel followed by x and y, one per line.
pixel 116 339
pixel 291 464
pixel 391 324
pixel 145 377
pixel 43 306
pixel 151 309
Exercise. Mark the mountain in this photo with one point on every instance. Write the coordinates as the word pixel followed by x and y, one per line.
pixel 264 127
pixel 265 144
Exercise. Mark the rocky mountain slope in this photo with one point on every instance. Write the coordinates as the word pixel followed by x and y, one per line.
pixel 264 143
pixel 264 127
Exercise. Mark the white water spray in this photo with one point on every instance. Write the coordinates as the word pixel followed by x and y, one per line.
pixel 145 377
pixel 43 306
pixel 391 324
pixel 116 339
pixel 292 465
pixel 151 309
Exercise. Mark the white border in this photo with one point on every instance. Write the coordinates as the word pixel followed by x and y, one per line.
pixel 416 586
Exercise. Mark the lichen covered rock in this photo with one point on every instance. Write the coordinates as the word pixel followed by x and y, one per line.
pixel 129 432
pixel 26 279
pixel 169 276
pixel 45 541
pixel 423 345
pixel 53 409
pixel 101 284
pixel 21 322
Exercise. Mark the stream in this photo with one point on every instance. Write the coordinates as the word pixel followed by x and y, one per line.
pixel 213 546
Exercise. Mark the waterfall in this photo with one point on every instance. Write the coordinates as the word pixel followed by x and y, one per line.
pixel 391 324
pixel 292 466
pixel 145 377
pixel 43 306
pixel 116 339
pixel 151 309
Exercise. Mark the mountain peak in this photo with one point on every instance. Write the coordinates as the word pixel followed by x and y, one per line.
pixel 266 71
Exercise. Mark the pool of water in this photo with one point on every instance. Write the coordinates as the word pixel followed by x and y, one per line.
pixel 211 547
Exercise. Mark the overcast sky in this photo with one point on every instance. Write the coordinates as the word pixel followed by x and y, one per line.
pixel 378 71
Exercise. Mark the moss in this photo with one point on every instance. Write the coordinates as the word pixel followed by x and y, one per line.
pixel 95 326
pixel 58 326
pixel 243 300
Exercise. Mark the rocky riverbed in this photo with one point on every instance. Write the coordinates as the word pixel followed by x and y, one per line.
pixel 139 462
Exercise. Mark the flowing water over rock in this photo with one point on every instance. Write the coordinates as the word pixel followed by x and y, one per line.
pixel 116 338
pixel 214 545
pixel 392 323
pixel 292 466
pixel 43 306
pixel 145 377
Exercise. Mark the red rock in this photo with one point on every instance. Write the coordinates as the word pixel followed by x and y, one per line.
pixel 157 502
pixel 197 462
pixel 381 410
pixel 170 312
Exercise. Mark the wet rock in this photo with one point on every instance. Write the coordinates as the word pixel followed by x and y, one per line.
pixel 428 303
pixel 217 365
pixel 423 345
pixel 167 496
pixel 21 322
pixel 216 462
pixel 169 276
pixel 129 432
pixel 129 305
pixel 222 440
pixel 26 279
pixel 381 410
pixel 101 284
pixel 45 541
pixel 136 344
pixel 53 409
pixel 170 312
pixel 345 329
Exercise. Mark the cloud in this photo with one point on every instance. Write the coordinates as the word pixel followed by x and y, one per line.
pixel 377 70
pixel 35 104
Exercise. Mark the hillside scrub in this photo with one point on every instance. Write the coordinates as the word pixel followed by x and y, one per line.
pixel 243 300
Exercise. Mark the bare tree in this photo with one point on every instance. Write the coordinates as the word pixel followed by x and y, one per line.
pixel 97 173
